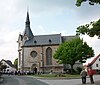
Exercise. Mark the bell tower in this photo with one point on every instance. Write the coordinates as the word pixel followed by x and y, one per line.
pixel 27 34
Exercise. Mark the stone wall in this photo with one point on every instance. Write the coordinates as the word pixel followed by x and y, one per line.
pixel 29 60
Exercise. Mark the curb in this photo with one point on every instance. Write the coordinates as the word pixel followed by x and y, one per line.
pixel 55 78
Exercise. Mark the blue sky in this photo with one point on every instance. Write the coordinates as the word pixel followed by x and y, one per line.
pixel 47 17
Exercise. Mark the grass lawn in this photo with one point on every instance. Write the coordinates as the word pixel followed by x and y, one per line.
pixel 57 76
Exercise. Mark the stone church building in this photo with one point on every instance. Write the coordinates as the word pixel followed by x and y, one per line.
pixel 36 51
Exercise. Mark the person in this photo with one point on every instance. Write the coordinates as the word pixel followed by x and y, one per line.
pixel 83 75
pixel 90 73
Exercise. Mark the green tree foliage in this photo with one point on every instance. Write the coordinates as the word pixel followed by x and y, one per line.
pixel 91 2
pixel 16 63
pixel 72 51
pixel 91 29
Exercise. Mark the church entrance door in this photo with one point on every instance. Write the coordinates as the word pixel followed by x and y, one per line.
pixel 34 68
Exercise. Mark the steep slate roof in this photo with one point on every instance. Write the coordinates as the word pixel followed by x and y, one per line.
pixel 44 40
pixel 28 32
pixel 66 38
pixel 93 61
pixel 27 18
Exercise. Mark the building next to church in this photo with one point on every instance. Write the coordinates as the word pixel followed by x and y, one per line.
pixel 10 68
pixel 35 52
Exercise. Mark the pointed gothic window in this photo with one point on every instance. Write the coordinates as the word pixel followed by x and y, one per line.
pixel 48 56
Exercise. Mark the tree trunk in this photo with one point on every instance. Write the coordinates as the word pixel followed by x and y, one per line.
pixel 71 69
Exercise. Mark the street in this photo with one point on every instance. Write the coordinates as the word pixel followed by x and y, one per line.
pixel 30 80
pixel 70 81
pixel 20 80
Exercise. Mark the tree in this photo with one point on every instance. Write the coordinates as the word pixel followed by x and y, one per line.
pixel 91 2
pixel 72 51
pixel 16 63
pixel 91 29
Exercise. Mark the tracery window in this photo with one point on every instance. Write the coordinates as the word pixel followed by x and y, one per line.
pixel 48 56
pixel 33 54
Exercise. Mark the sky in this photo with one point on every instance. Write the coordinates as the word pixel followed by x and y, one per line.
pixel 46 17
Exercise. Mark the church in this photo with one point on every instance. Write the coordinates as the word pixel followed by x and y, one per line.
pixel 36 51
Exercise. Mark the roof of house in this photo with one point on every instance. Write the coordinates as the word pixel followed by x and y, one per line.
pixel 91 61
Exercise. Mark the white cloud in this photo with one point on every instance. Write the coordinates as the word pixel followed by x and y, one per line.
pixel 39 30
pixel 8 48
pixel 63 33
pixel 93 42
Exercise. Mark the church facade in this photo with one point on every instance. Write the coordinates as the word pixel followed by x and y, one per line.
pixel 36 51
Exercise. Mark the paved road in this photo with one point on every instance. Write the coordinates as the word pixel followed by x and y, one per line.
pixel 71 81
pixel 21 80
pixel 29 80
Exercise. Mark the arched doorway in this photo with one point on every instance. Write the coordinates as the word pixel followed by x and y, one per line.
pixel 34 68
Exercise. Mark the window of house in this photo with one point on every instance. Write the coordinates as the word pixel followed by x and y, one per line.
pixel 99 59
pixel 96 65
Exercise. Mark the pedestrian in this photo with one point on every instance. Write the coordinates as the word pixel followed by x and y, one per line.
pixel 83 75
pixel 90 73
